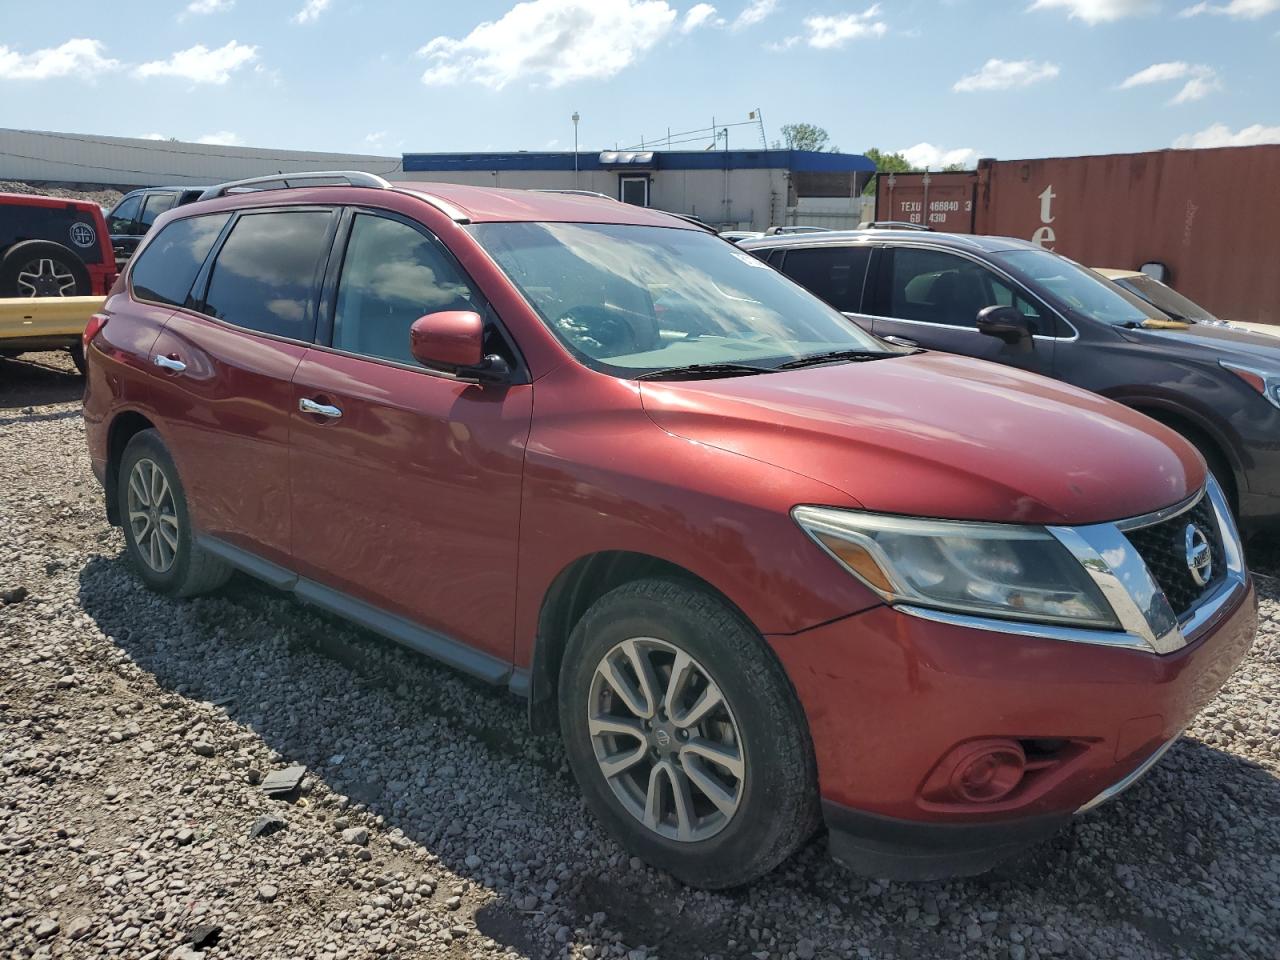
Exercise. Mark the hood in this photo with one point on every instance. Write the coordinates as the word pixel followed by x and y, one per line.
pixel 1226 342
pixel 938 435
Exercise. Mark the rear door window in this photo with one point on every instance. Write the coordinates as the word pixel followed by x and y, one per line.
pixel 167 266
pixel 268 270
pixel 836 274
pixel 155 204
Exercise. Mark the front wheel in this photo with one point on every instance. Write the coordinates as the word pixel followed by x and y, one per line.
pixel 157 526
pixel 685 735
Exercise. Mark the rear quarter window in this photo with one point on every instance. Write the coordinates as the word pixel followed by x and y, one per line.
pixel 165 269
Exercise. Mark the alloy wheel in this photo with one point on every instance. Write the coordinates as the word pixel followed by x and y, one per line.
pixel 153 515
pixel 666 740
pixel 46 277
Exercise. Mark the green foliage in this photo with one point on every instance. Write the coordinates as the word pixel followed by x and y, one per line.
pixel 804 136
pixel 885 163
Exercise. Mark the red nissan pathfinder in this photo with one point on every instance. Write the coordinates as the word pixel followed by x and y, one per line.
pixel 765 571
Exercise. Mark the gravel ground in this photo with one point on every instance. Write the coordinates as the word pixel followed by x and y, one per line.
pixel 104 197
pixel 134 731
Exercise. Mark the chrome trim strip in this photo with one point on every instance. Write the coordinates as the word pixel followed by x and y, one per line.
pixel 1121 786
pixel 1159 516
pixel 444 206
pixel 1123 578
pixel 1027 628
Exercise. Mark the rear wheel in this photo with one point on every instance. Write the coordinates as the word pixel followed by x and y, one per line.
pixel 157 526
pixel 685 736
pixel 41 268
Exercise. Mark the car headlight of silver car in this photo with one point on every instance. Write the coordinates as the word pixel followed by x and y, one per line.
pixel 992 569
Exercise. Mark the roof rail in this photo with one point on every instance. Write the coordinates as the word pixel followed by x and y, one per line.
pixel 893 225
pixel 286 181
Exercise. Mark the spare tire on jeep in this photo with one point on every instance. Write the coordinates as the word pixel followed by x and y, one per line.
pixel 42 268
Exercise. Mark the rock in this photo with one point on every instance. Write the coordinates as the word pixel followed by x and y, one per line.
pixel 358 835
pixel 267 825
pixel 184 836
pixel 46 928
pixel 473 861
pixel 79 928
pixel 453 903
pixel 805 949
pixel 13 595
pixel 203 748
pixel 267 892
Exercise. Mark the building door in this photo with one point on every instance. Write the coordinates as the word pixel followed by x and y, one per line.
pixel 634 190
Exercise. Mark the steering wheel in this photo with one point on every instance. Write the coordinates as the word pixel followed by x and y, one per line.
pixel 605 330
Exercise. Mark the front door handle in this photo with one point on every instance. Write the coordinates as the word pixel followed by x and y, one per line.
pixel 168 363
pixel 319 409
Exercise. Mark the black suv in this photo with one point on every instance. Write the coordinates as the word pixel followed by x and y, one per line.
pixel 131 218
pixel 1016 303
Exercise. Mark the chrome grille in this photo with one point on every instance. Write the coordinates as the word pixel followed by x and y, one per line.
pixel 1163 547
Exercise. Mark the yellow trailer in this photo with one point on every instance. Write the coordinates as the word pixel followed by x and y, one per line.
pixel 45 323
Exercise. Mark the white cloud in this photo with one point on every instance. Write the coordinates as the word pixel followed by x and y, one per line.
pixel 81 58
pixel 153 136
pixel 310 11
pixel 1201 80
pixel 1005 75
pixel 935 158
pixel 754 12
pixel 200 8
pixel 832 32
pixel 1220 135
pixel 1239 9
pixel 700 14
pixel 555 41
pixel 1099 11
pixel 375 140
pixel 199 64
pixel 223 138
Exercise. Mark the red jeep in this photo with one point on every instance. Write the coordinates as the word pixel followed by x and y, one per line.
pixel 51 247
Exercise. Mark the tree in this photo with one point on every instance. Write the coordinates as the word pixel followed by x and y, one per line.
pixel 885 163
pixel 805 136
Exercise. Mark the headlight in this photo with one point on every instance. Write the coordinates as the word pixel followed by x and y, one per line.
pixel 991 569
pixel 1265 382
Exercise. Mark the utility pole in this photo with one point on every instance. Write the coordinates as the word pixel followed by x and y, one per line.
pixel 575 149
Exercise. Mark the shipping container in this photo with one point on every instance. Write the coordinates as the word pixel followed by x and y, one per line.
pixel 941 201
pixel 1210 217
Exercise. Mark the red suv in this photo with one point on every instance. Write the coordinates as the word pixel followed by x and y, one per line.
pixel 765 569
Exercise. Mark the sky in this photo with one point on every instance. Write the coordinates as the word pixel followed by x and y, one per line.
pixel 946 81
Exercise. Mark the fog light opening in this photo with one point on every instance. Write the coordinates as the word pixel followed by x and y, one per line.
pixel 988 771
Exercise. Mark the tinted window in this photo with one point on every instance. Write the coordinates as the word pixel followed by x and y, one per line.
pixel 1062 282
pixel 165 269
pixel 835 274
pixel 123 216
pixel 266 273
pixel 775 257
pixel 935 287
pixel 391 276
pixel 156 204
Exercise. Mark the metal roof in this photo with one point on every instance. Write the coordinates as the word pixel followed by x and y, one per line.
pixel 796 161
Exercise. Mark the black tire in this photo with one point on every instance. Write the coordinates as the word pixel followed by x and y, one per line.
pixel 192 570
pixel 77 356
pixel 20 256
pixel 778 806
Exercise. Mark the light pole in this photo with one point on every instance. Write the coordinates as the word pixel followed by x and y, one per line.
pixel 575 149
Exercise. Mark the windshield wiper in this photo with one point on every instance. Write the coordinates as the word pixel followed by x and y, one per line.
pixel 695 370
pixel 832 356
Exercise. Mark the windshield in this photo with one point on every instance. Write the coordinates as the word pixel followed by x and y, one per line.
pixel 1167 299
pixel 630 300
pixel 1072 286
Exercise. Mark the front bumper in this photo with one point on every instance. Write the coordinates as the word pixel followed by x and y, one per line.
pixel 888 695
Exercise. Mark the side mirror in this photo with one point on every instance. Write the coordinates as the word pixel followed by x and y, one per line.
pixel 1007 324
pixel 448 340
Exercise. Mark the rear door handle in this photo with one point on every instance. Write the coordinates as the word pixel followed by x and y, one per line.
pixel 168 363
pixel 319 409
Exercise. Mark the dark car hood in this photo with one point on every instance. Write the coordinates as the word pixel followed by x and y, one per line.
pixel 938 435
pixel 1227 343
